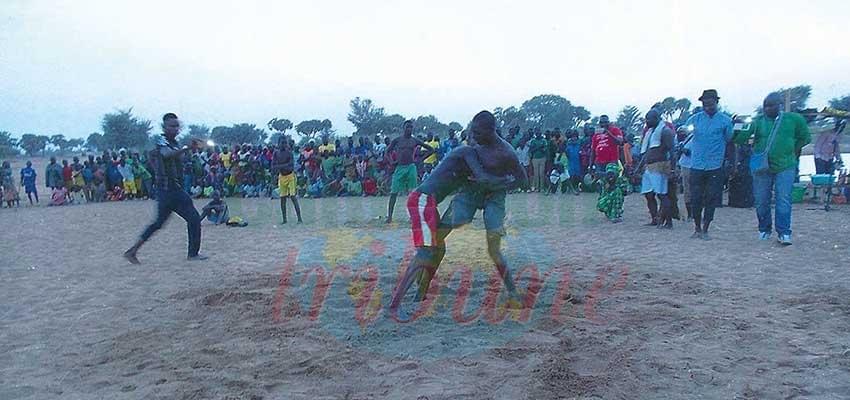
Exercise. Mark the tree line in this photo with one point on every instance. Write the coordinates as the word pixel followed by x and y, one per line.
pixel 122 129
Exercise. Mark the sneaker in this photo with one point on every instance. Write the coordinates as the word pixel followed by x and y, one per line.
pixel 198 257
pixel 764 235
pixel 785 240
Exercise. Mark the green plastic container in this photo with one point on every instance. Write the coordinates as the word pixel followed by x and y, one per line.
pixel 798 192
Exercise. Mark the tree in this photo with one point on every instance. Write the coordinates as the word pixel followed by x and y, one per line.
pixel 510 117
pixel 280 125
pixel 74 144
pixel 238 134
pixel 455 126
pixel 194 131
pixel 95 142
pixel 123 130
pixel 8 144
pixel 668 108
pixel 313 127
pixel 630 119
pixel 389 125
pixel 33 143
pixel 549 111
pixel 683 107
pixel 426 124
pixel 841 103
pixel 59 141
pixel 365 116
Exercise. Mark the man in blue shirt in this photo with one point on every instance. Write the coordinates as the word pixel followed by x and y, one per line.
pixel 707 148
pixel 28 181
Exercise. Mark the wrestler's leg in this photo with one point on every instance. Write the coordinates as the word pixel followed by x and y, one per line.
pixel 421 261
pixel 494 249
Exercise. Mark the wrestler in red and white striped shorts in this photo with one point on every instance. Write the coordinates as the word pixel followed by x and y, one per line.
pixel 424 218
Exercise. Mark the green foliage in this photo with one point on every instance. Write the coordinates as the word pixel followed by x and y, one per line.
pixel 73 144
pixel 123 130
pixel 33 143
pixel 8 144
pixel 428 124
pixel 455 126
pixel 59 142
pixel 389 125
pixel 238 134
pixel 841 103
pixel 314 127
pixel 365 116
pixel 510 117
pixel 280 125
pixel 549 111
pixel 95 142
pixel 630 120
pixel 194 131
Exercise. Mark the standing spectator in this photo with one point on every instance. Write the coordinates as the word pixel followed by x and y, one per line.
pixel 684 163
pixel 712 130
pixel 573 150
pixel 10 190
pixel 785 133
pixel 658 166
pixel 88 181
pixel 405 176
pixel 449 144
pixel 67 176
pixel 605 145
pixel 827 150
pixel 53 174
pixel 537 148
pixel 434 142
pixel 28 176
pixel 523 157
pixel 129 178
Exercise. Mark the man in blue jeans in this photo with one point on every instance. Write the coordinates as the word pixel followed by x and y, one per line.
pixel 790 137
pixel 166 158
pixel 712 131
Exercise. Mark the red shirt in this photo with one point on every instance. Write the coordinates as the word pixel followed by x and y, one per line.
pixel 605 149
pixel 67 173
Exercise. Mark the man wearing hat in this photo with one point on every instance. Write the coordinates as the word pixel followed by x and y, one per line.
pixel 712 131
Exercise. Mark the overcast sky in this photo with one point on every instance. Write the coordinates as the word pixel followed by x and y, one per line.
pixel 63 64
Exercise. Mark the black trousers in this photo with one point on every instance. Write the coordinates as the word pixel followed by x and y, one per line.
pixel 706 192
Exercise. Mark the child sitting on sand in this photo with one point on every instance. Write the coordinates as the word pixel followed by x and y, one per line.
pixel 216 210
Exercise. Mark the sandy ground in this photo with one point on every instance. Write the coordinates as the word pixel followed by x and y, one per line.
pixel 643 313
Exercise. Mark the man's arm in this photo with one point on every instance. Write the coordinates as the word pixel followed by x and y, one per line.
pixel 592 152
pixel 802 136
pixel 667 140
pixel 728 131
pixel 617 139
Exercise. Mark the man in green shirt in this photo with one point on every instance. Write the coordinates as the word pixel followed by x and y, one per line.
pixel 538 149
pixel 791 135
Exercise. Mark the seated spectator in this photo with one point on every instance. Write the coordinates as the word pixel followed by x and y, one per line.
pixel 116 194
pixel 58 196
pixel 351 187
pixel 216 210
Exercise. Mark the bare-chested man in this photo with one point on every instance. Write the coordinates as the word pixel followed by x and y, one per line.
pixel 405 176
pixel 483 173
